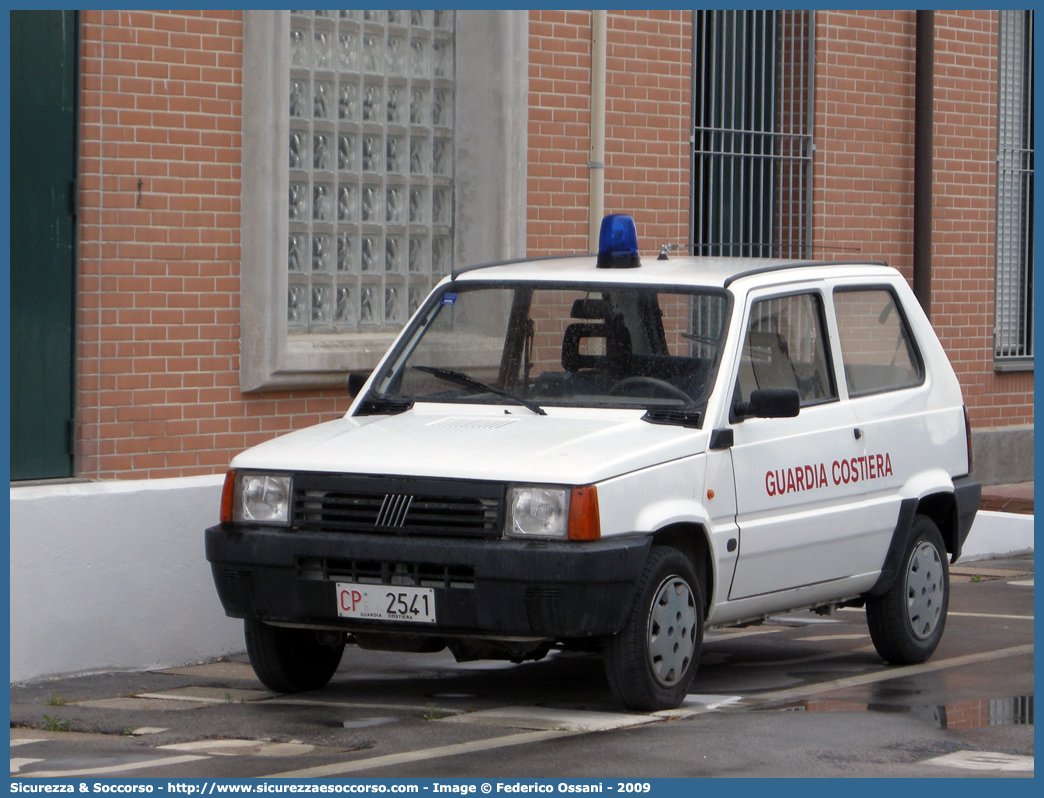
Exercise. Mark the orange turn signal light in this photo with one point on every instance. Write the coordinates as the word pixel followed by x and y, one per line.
pixel 227 494
pixel 584 523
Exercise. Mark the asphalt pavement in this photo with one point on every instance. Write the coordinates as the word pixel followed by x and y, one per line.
pixel 801 695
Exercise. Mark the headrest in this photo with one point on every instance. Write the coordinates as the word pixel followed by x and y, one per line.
pixel 617 346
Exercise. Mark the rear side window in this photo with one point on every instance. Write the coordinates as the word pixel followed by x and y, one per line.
pixel 877 349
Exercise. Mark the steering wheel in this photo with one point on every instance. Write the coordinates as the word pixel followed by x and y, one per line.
pixel 662 386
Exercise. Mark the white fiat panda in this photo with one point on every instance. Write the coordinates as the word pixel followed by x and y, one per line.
pixel 613 454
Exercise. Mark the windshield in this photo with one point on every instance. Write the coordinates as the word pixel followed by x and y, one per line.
pixel 611 346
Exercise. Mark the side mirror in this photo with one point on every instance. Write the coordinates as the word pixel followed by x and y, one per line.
pixel 356 381
pixel 770 403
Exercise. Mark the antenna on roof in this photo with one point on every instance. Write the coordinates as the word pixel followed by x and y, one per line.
pixel 666 249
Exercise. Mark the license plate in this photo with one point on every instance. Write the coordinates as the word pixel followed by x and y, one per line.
pixel 386 602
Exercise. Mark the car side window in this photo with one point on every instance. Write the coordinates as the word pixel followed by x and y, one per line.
pixel 877 348
pixel 785 347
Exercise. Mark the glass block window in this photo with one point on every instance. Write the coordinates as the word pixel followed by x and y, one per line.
pixel 370 156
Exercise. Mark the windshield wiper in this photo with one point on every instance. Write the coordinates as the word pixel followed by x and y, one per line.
pixel 467 381
pixel 710 340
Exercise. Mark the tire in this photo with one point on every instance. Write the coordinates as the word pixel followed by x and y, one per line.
pixel 907 622
pixel 290 660
pixel 651 662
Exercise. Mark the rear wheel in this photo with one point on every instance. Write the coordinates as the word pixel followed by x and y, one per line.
pixel 290 660
pixel 907 622
pixel 651 662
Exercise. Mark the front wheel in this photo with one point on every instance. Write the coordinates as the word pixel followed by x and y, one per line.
pixel 290 660
pixel 907 622
pixel 652 661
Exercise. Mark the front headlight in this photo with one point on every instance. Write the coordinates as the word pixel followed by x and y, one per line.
pixel 538 512
pixel 262 498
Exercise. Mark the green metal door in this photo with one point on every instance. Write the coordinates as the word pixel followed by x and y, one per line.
pixel 43 195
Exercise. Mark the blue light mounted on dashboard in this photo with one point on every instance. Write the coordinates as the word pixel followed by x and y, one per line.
pixel 618 243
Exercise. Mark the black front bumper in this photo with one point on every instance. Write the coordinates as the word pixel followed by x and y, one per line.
pixel 490 588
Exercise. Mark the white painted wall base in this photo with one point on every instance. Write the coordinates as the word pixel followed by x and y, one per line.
pixel 113 576
pixel 995 535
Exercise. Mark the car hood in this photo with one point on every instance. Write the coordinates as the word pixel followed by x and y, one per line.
pixel 569 446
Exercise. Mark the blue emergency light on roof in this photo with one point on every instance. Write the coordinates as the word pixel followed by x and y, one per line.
pixel 618 243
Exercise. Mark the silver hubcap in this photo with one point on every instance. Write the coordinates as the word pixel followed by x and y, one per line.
pixel 924 590
pixel 672 630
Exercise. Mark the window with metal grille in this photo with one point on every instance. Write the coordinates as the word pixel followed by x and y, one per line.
pixel 752 133
pixel 1013 320
pixel 371 166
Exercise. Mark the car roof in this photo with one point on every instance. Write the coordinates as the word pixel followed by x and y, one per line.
pixel 682 271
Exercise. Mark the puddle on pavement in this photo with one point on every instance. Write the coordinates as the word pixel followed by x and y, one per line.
pixel 1016 711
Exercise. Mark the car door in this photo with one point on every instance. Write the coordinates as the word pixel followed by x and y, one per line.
pixel 886 382
pixel 799 523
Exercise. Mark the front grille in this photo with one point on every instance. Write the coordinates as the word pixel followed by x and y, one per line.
pixel 398 573
pixel 327 503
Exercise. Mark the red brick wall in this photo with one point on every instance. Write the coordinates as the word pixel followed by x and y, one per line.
pixel 864 176
pixel 158 333
pixel 863 169
pixel 648 79
pixel 964 223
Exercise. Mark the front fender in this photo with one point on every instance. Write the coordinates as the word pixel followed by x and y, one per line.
pixel 641 502
pixel 657 516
